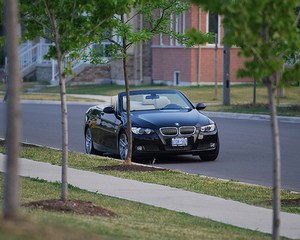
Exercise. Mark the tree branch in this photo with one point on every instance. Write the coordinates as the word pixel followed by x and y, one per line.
pixel 73 12
pixel 258 56
pixel 131 18
pixel 80 55
pixel 297 20
pixel 50 17
pixel 128 46
pixel 72 19
pixel 61 6
pixel 160 19
pixel 48 38
pixel 99 24
pixel 35 19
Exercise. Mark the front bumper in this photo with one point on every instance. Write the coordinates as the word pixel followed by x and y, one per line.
pixel 156 144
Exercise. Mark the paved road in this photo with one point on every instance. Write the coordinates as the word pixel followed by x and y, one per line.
pixel 245 154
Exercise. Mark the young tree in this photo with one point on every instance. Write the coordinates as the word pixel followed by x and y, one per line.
pixel 156 15
pixel 71 25
pixel 267 32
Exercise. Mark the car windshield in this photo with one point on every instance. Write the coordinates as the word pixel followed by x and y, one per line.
pixel 151 101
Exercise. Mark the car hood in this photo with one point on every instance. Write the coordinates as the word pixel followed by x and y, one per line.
pixel 168 118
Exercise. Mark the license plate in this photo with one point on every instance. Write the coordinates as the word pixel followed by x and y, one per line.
pixel 179 142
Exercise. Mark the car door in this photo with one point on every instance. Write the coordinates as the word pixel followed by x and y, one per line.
pixel 106 128
pixel 94 117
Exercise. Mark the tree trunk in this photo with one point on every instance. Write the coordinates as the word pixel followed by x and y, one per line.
pixel 216 66
pixel 276 159
pixel 129 131
pixel 254 91
pixel 11 203
pixel 64 122
pixel 226 73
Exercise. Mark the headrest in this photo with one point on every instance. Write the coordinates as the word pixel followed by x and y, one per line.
pixel 146 101
pixel 113 101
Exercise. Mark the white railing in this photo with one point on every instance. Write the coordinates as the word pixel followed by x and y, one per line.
pixel 33 54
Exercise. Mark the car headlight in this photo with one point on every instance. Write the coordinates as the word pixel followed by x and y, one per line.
pixel 208 128
pixel 140 131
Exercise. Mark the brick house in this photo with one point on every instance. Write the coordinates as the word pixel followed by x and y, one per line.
pixel 173 64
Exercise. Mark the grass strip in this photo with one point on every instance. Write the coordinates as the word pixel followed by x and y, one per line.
pixel 259 108
pixel 233 190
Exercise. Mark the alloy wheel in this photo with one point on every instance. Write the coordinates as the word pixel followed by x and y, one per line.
pixel 123 145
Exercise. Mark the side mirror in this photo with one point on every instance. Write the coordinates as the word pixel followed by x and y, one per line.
pixel 200 106
pixel 109 109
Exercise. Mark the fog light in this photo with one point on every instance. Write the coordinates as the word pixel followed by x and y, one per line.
pixel 212 145
pixel 139 148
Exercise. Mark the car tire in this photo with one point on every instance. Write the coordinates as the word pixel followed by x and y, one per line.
pixel 89 146
pixel 213 156
pixel 123 145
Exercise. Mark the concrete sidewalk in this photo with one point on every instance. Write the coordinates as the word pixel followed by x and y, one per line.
pixel 200 205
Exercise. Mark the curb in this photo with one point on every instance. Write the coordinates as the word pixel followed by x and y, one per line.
pixel 245 116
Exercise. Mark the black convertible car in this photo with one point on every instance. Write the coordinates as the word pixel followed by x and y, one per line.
pixel 163 122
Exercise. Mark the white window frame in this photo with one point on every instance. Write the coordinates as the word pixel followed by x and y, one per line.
pixel 183 23
pixel 171 27
pixel 219 29
pixel 161 39
pixel 178 27
pixel 176 73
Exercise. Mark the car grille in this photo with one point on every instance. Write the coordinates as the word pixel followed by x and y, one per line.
pixel 187 130
pixel 204 146
pixel 173 131
pixel 151 148
pixel 169 131
pixel 174 149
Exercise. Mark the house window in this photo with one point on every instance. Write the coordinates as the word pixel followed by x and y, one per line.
pixel 161 36
pixel 178 27
pixel 213 25
pixel 176 78
pixel 161 39
pixel 183 23
pixel 178 24
pixel 171 27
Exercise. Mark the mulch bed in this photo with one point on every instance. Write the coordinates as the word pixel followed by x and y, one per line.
pixel 71 206
pixel 287 202
pixel 291 202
